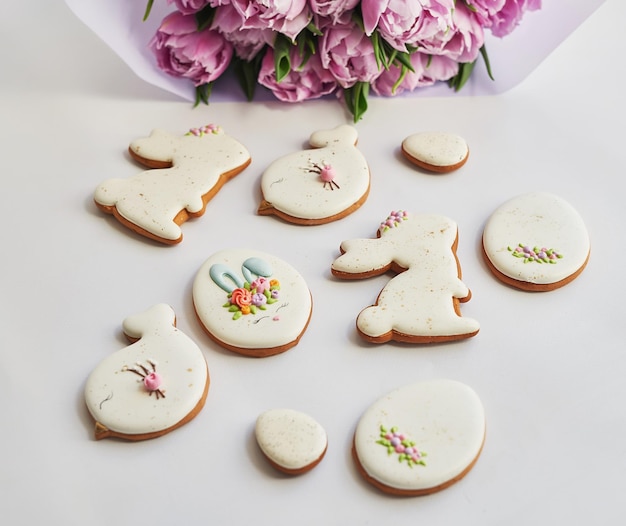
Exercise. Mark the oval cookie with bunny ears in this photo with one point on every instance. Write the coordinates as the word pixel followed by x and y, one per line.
pixel 155 385
pixel 251 302
pixel 420 438
pixel 319 185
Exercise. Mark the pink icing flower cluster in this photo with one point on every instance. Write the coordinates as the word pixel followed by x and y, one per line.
pixel 398 443
pixel 535 254
pixel 393 220
pixel 252 297
pixel 213 129
pixel 305 49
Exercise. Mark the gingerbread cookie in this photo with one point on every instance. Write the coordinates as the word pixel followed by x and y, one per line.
pixel 153 386
pixel 185 173
pixel 320 185
pixel 439 152
pixel 292 441
pixel 421 438
pixel 251 303
pixel 421 303
pixel 536 242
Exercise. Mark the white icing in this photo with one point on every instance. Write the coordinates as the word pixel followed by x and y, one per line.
pixel 436 148
pixel 289 438
pixel 536 219
pixel 117 398
pixel 290 188
pixel 281 324
pixel 444 418
pixel 419 301
pixel 153 198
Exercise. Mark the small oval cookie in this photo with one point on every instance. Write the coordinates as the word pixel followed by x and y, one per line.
pixel 251 302
pixel 319 185
pixel 293 442
pixel 420 438
pixel 439 152
pixel 536 242
pixel 151 387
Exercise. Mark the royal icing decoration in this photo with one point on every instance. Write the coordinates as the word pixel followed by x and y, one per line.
pixel 293 441
pixel 186 172
pixel 398 443
pixel 420 304
pixel 535 254
pixel 443 417
pixel 561 242
pixel 317 185
pixel 268 304
pixel 163 362
pixel 436 151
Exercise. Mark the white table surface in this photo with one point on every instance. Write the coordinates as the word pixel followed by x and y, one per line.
pixel 549 367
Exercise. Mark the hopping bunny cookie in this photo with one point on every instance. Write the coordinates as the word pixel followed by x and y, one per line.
pixel 157 384
pixel 319 185
pixel 185 173
pixel 421 303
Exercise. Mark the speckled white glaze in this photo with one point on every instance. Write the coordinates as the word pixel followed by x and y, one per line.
pixel 117 398
pixel 291 439
pixel 444 418
pixel 439 149
pixel 536 219
pixel 291 188
pixel 153 198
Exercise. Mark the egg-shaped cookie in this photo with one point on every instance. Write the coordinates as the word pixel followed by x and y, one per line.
pixel 292 441
pixel 439 152
pixel 420 438
pixel 536 242
pixel 251 302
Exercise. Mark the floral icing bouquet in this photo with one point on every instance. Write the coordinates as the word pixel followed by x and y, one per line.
pixel 305 49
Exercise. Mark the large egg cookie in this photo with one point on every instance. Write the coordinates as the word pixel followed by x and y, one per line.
pixel 184 174
pixel 153 386
pixel 440 152
pixel 319 185
pixel 536 242
pixel 251 302
pixel 421 438
pixel 421 303
pixel 292 441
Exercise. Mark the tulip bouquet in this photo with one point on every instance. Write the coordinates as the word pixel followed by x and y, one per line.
pixel 305 49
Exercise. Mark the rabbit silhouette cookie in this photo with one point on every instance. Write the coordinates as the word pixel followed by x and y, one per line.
pixel 184 174
pixel 155 385
pixel 251 303
pixel 421 303
pixel 319 185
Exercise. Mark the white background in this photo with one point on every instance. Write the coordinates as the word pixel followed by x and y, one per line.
pixel 549 367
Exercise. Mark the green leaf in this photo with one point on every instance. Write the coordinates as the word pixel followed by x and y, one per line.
pixel 204 17
pixel 203 92
pixel 247 73
pixel 282 61
pixel 356 99
pixel 465 72
pixel 483 52
pixel 148 9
